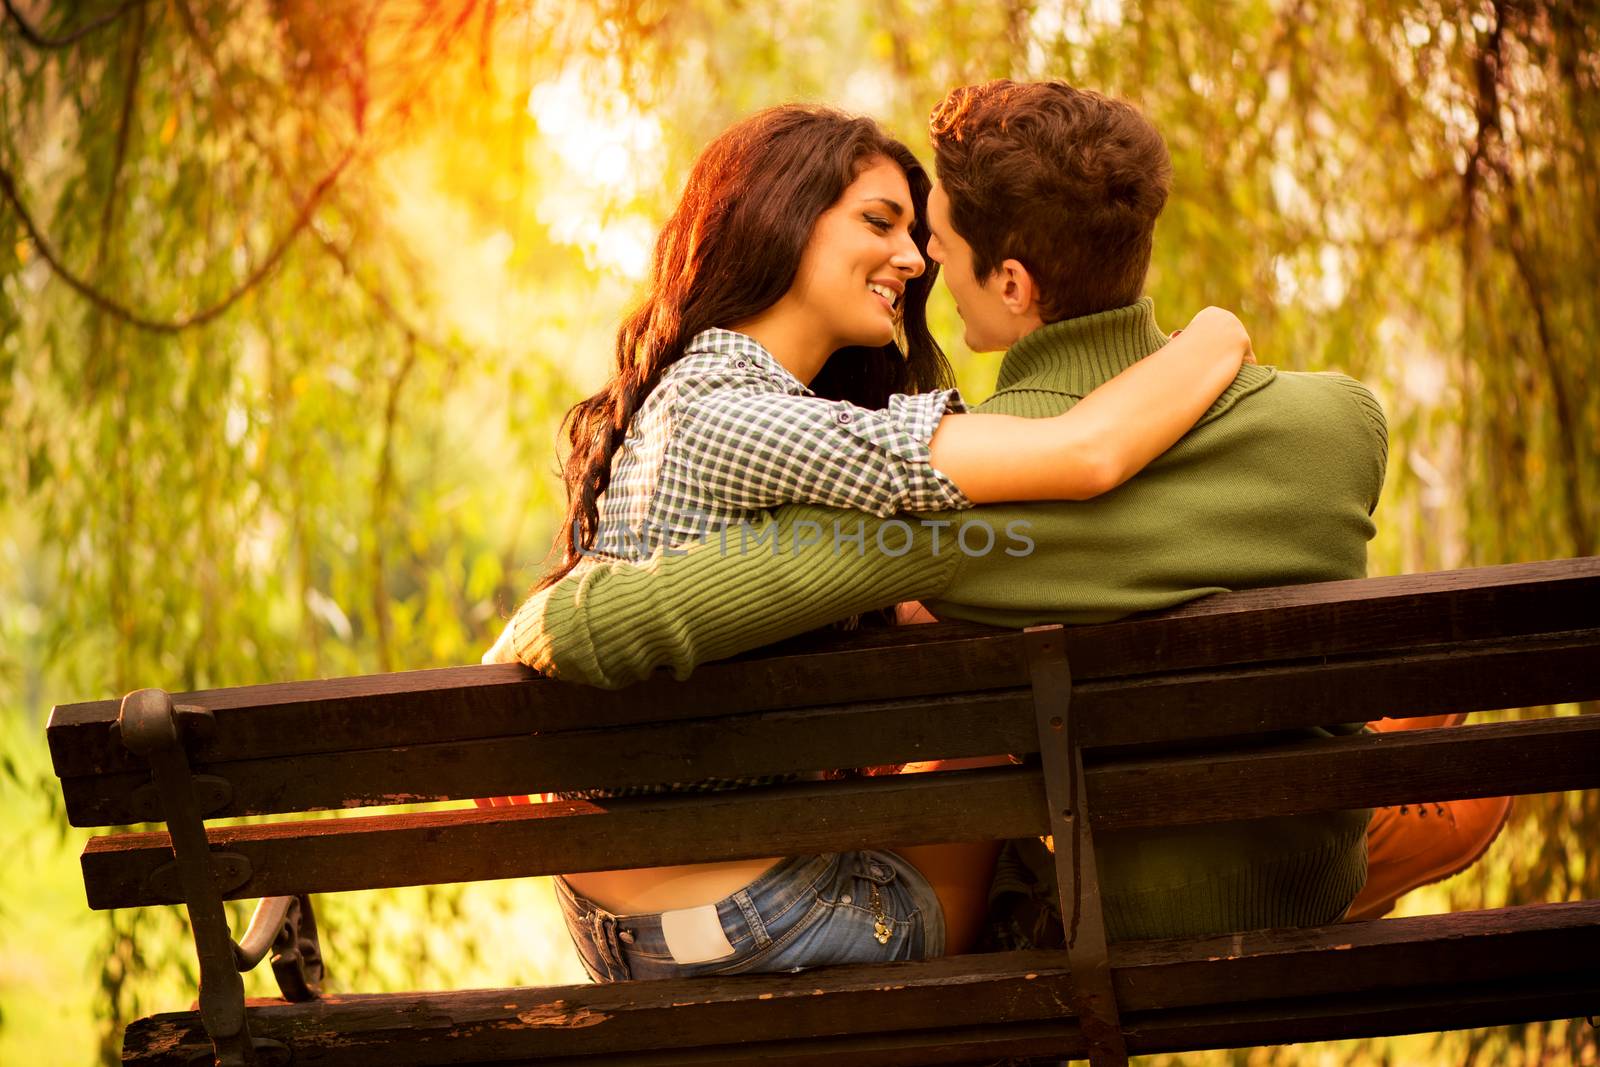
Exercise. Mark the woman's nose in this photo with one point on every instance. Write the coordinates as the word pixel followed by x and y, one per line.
pixel 907 260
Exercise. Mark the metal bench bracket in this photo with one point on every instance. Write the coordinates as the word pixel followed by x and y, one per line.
pixel 1077 875
pixel 229 870
pixel 211 795
pixel 150 728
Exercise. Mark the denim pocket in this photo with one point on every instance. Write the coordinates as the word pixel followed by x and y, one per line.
pixel 769 956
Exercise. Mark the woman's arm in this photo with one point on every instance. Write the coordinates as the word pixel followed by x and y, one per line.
pixel 1108 436
pixel 744 444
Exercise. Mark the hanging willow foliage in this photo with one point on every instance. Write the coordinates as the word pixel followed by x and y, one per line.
pixel 291 294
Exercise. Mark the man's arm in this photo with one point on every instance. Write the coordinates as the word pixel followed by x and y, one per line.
pixel 613 624
pixel 1250 502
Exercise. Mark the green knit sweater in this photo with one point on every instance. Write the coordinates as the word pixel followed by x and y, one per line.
pixel 1275 486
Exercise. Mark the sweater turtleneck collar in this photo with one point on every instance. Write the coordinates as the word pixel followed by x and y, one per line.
pixel 1076 355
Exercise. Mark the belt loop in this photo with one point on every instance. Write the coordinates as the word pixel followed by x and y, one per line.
pixel 753 917
pixel 604 927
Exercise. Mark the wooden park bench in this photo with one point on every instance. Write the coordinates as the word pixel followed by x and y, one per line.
pixel 1163 720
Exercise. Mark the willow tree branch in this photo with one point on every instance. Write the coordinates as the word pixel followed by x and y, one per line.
pixel 67 40
pixel 130 96
pixel 224 96
pixel 409 330
pixel 113 307
pixel 382 491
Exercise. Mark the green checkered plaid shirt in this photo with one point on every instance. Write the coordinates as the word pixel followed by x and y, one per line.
pixel 729 432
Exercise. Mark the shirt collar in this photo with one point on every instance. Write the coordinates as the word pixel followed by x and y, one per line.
pixel 730 343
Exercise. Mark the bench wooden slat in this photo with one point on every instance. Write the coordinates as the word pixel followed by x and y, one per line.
pixel 1371 770
pixel 1258 626
pixel 1288 778
pixel 1472 676
pixel 507 699
pixel 1427 1009
pixel 1339 618
pixel 727 747
pixel 1413 975
pixel 1286 1022
pixel 1479 675
pixel 382 851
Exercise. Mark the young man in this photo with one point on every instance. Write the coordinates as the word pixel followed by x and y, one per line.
pixel 1043 221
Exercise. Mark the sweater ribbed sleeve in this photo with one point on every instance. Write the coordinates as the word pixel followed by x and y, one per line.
pixel 792 571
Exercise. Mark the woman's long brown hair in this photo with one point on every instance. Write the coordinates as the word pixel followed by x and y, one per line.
pixel 730 251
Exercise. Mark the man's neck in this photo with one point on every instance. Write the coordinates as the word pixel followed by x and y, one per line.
pixel 1076 355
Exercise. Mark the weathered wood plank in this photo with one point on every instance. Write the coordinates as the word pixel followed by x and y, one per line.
pixel 372 852
pixel 423 707
pixel 727 747
pixel 1288 778
pixel 1339 618
pixel 1289 985
pixel 160 1041
pixel 1259 626
pixel 1293 622
pixel 1472 676
pixel 1388 954
pixel 1370 770
pixel 1189 705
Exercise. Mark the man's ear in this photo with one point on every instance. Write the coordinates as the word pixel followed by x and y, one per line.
pixel 1018 291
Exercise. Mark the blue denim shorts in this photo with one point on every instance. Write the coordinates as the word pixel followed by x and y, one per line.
pixel 806 911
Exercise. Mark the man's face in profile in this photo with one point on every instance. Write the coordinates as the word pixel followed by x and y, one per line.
pixel 990 326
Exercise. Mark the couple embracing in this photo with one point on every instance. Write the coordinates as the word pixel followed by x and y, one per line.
pixel 780 378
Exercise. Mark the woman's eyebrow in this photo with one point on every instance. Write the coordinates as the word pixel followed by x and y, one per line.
pixel 894 206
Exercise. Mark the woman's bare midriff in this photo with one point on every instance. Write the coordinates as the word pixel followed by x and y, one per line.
pixel 958 873
pixel 652 889
pixel 951 870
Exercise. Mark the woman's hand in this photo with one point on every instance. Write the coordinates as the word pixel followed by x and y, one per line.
pixel 502 652
pixel 1221 328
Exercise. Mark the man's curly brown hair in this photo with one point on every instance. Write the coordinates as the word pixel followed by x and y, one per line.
pixel 1065 181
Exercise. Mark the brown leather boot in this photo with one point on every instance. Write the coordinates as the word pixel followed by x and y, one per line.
pixel 1414 845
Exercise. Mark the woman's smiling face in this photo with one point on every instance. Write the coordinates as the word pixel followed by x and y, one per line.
pixel 852 274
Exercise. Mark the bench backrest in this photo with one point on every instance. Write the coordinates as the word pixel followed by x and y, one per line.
pixel 1165 707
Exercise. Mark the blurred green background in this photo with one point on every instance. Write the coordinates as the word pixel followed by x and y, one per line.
pixel 293 295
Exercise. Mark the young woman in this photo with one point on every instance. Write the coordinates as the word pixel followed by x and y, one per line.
pixel 782 355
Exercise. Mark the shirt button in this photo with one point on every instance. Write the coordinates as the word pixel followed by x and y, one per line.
pixel 739 364
pixel 845 899
pixel 844 416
